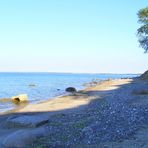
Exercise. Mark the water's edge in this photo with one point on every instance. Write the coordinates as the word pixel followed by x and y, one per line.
pixel 41 87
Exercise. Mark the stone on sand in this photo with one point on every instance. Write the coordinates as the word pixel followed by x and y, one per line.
pixel 26 121
pixel 24 137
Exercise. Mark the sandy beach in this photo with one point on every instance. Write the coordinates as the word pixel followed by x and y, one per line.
pixel 71 74
pixel 75 100
pixel 111 114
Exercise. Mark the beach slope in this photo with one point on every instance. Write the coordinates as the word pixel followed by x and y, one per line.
pixel 112 113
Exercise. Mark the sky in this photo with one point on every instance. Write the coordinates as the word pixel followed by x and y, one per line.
pixel 80 36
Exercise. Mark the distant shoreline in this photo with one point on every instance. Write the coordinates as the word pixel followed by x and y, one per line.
pixel 101 73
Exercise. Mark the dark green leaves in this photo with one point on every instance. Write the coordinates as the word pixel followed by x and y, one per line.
pixel 143 30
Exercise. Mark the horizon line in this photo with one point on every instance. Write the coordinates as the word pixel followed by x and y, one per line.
pixel 68 72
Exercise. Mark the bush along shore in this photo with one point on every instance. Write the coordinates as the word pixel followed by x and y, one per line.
pixel 113 113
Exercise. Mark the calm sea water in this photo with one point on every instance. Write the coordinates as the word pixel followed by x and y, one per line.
pixel 46 85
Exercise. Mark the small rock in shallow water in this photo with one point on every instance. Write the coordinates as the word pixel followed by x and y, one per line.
pixel 71 89
pixel 32 85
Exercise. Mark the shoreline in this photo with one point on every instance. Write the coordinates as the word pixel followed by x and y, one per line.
pixel 65 94
pixel 47 105
pixel 41 94
pixel 111 113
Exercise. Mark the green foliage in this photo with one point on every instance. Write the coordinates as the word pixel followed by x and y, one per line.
pixel 143 30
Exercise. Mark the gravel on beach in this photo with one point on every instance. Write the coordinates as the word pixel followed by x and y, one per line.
pixel 114 118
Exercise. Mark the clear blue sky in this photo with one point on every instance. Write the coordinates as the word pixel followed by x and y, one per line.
pixel 94 36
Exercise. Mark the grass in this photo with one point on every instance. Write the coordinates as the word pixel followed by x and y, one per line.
pixel 144 92
pixel 79 125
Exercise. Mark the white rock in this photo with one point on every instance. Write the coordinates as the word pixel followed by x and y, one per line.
pixel 20 98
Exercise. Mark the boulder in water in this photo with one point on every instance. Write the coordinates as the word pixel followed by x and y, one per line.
pixel 20 98
pixel 71 89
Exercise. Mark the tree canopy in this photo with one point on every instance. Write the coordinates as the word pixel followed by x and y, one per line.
pixel 143 30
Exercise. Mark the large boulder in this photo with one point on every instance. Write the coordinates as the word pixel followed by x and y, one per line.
pixel 20 98
pixel 144 76
pixel 26 121
pixel 22 138
pixel 71 89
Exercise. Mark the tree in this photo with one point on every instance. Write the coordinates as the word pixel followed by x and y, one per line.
pixel 143 30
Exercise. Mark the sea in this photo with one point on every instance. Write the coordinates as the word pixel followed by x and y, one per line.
pixel 43 86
